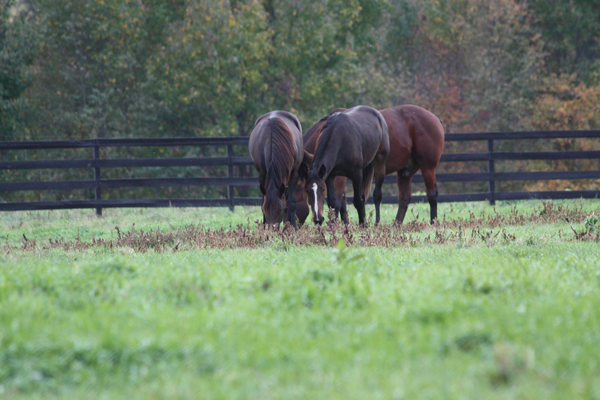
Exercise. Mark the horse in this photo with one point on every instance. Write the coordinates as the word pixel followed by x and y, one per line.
pixel 277 150
pixel 310 145
pixel 355 144
pixel 416 142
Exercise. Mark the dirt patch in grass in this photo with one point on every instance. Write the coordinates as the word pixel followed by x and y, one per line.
pixel 489 229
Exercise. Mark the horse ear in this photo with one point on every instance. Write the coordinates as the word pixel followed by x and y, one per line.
pixel 322 171
pixel 305 166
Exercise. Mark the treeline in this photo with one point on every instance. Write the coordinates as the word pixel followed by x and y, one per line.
pixel 130 68
pixel 74 69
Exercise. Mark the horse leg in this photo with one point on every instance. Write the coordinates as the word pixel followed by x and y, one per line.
pixel 432 192
pixel 340 194
pixel 344 209
pixel 359 200
pixel 367 180
pixel 262 178
pixel 332 200
pixel 263 213
pixel 404 194
pixel 291 199
pixel 378 193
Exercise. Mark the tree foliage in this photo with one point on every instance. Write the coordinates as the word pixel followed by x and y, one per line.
pixel 91 65
pixel 15 59
pixel 210 67
pixel 154 68
pixel 226 63
pixel 571 35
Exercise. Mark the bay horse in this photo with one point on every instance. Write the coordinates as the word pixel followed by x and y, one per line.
pixel 355 144
pixel 277 150
pixel 416 142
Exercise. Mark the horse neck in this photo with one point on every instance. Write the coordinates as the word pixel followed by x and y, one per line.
pixel 271 192
pixel 326 152
pixel 277 176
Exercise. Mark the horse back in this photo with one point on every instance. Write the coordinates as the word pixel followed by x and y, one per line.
pixel 371 127
pixel 354 136
pixel 289 138
pixel 413 132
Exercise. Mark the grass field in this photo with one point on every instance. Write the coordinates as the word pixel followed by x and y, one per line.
pixel 492 302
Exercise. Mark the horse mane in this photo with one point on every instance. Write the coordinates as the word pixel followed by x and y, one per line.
pixel 323 142
pixel 325 136
pixel 317 125
pixel 282 152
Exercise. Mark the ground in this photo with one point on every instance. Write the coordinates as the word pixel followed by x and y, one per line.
pixel 490 302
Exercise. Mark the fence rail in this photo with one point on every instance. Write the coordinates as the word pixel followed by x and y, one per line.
pixel 98 164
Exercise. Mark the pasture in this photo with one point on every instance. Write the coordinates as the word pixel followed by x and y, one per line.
pixel 490 302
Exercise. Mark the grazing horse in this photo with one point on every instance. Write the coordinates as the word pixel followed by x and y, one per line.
pixel 416 142
pixel 310 145
pixel 354 144
pixel 277 151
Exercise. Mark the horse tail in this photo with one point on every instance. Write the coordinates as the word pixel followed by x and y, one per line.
pixel 282 152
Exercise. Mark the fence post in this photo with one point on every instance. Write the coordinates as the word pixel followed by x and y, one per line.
pixel 230 174
pixel 491 170
pixel 97 178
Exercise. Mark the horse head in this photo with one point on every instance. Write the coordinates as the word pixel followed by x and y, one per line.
pixel 274 204
pixel 302 208
pixel 315 189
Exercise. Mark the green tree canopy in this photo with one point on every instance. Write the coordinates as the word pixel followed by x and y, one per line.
pixel 117 68
pixel 229 62
pixel 571 34
pixel 15 59
pixel 91 63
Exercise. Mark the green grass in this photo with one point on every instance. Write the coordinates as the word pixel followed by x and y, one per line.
pixel 503 319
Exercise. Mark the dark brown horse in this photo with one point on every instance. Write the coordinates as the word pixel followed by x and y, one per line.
pixel 354 144
pixel 310 145
pixel 277 151
pixel 416 142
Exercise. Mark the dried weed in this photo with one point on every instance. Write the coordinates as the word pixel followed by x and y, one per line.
pixel 474 229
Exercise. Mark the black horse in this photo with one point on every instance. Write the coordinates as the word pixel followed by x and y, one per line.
pixel 277 151
pixel 355 144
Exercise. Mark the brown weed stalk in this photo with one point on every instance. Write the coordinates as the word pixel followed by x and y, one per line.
pixel 474 229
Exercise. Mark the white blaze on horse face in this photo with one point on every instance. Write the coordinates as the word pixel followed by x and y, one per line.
pixel 314 188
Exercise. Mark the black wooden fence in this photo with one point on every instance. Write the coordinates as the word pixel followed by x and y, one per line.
pixel 98 183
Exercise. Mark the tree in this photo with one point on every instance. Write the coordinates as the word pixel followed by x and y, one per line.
pixel 15 59
pixel 571 34
pixel 91 65
pixel 228 62
pixel 473 63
